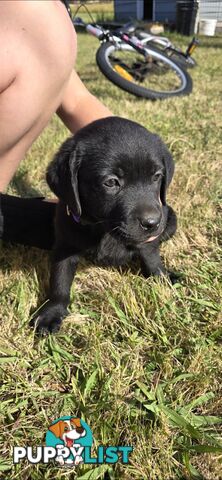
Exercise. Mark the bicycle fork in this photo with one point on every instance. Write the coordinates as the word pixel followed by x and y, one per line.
pixel 191 47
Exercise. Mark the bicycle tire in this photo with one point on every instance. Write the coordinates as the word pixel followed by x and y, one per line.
pixel 184 62
pixel 129 86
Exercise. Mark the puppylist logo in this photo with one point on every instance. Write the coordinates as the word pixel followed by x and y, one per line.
pixel 69 442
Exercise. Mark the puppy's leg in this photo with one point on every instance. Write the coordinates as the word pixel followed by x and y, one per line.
pixel 151 263
pixel 50 316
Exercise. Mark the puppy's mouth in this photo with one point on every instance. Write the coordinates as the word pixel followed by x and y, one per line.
pixel 68 442
pixel 135 239
pixel 152 237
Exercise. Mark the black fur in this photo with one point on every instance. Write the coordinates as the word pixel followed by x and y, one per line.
pixel 107 175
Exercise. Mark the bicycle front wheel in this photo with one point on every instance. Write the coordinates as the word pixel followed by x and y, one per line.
pixel 154 76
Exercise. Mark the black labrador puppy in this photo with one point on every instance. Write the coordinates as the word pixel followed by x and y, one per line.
pixel 111 179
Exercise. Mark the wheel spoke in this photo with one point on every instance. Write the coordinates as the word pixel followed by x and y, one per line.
pixel 151 73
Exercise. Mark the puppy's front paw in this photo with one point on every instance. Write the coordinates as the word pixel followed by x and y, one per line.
pixel 49 318
pixel 174 277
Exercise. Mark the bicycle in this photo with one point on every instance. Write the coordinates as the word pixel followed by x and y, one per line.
pixel 135 65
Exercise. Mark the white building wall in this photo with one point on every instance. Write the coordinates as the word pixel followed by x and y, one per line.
pixel 210 9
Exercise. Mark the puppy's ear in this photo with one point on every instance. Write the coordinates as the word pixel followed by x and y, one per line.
pixel 56 429
pixel 62 176
pixel 168 175
pixel 74 164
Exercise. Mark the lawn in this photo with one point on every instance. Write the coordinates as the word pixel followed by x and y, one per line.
pixel 139 359
pixel 99 11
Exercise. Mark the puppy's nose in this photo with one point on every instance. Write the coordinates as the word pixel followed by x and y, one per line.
pixel 149 222
pixel 79 429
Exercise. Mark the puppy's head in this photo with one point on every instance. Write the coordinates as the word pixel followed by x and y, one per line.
pixel 115 171
pixel 68 430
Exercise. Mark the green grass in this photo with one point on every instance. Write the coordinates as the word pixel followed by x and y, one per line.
pixel 99 11
pixel 140 360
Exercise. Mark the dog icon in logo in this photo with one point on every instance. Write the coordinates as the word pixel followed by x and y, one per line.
pixel 70 432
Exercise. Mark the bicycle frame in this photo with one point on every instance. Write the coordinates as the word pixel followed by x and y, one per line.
pixel 167 44
pixel 163 41
pixel 120 36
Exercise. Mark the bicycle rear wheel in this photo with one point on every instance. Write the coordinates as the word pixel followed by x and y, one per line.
pixel 154 76
pixel 184 62
pixel 173 53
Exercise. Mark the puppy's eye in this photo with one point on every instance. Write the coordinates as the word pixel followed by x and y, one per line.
pixel 111 182
pixel 157 176
pixel 66 429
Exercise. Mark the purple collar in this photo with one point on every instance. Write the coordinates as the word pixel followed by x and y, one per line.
pixel 69 212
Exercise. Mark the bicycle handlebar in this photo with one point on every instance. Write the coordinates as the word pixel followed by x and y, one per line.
pixel 100 33
pixel 126 28
pixel 94 30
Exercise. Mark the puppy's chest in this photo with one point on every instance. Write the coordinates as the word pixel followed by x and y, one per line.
pixel 110 252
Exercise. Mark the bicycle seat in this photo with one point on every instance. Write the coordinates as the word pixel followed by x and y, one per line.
pixel 127 28
pixel 78 22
